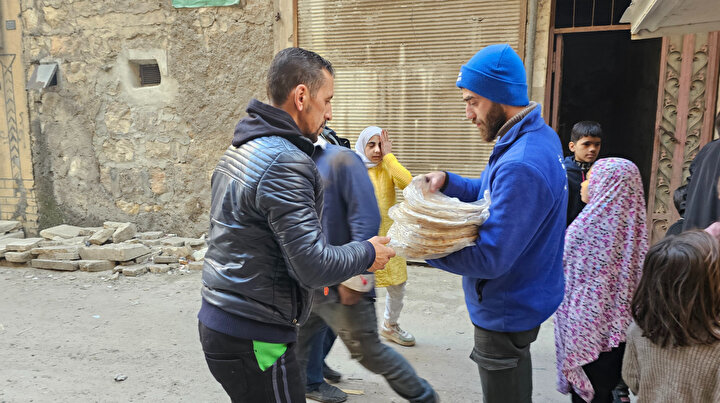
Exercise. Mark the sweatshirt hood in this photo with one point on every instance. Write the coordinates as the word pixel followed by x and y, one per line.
pixel 264 120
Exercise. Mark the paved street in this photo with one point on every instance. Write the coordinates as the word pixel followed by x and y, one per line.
pixel 65 336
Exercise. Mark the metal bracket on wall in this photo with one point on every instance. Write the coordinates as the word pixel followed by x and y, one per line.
pixel 44 75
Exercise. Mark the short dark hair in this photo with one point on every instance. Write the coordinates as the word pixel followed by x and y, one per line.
pixel 717 122
pixel 586 128
pixel 680 199
pixel 292 67
pixel 677 302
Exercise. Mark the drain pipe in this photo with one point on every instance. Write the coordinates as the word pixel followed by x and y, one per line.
pixel 530 43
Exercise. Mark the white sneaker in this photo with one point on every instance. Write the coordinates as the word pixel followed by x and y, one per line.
pixel 397 335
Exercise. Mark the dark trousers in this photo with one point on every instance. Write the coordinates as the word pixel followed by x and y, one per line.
pixel 604 374
pixel 321 343
pixel 356 325
pixel 232 362
pixel 505 365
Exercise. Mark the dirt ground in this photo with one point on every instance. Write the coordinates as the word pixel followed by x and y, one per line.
pixel 65 336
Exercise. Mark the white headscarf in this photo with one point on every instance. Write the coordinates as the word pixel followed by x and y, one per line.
pixel 362 141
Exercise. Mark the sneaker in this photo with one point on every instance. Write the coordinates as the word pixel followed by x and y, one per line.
pixel 397 335
pixel 330 374
pixel 327 393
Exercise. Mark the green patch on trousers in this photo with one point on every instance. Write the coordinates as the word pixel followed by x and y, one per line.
pixel 267 353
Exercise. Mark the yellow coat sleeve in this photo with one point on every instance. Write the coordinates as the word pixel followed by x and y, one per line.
pixel 385 177
pixel 400 175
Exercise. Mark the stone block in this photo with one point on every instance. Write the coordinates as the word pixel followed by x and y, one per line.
pixel 149 235
pixel 195 265
pixel 124 232
pixel 88 231
pixel 144 258
pixel 21 245
pixel 78 241
pixel 112 224
pixel 158 268
pixel 66 265
pixel 195 243
pixel 18 257
pixel 134 270
pixel 59 252
pixel 13 235
pixel 63 231
pixel 181 251
pixel 61 256
pixel 151 242
pixel 199 254
pixel 4 242
pixel 116 252
pixel 101 236
pixel 165 259
pixel 5 263
pixel 8 226
pixel 173 241
pixel 95 265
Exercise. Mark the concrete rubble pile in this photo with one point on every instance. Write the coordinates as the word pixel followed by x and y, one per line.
pixel 115 246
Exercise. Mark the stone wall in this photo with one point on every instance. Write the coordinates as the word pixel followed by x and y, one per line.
pixel 106 148
pixel 542 38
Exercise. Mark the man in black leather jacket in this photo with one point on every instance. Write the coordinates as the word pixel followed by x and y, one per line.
pixel 266 249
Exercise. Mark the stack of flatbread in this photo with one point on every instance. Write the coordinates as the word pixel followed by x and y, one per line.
pixel 432 225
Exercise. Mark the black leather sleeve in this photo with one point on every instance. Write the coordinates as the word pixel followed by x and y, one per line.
pixel 286 193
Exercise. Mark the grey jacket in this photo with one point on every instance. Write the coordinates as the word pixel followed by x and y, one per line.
pixel 266 249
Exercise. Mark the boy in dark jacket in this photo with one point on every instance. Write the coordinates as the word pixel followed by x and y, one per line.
pixel 585 142
pixel 266 247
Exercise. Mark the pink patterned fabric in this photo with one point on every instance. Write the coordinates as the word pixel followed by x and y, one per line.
pixel 604 251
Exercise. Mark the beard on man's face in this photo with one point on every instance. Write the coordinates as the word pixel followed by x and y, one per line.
pixel 493 122
pixel 311 133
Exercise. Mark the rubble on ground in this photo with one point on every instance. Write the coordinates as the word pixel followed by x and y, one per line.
pixel 116 246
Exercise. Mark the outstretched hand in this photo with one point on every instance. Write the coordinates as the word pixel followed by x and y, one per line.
pixel 383 253
pixel 433 181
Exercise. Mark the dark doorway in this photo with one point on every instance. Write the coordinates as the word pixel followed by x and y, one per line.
pixel 608 78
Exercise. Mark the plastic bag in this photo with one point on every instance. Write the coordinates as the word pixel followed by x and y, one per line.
pixel 432 225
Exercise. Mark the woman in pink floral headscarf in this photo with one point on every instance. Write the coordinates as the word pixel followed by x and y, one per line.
pixel 604 251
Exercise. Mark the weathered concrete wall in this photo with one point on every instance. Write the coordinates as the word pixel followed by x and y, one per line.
pixel 542 38
pixel 105 148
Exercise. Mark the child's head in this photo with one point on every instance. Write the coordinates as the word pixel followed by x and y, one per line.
pixel 369 144
pixel 585 141
pixel 677 302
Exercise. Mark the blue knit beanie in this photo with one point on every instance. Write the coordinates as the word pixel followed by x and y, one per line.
pixel 496 73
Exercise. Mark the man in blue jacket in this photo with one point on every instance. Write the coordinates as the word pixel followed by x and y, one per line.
pixel 513 275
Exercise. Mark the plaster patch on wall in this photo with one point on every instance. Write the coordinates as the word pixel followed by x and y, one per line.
pixel 127 70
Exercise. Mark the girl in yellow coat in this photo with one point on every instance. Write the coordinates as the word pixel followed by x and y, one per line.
pixel 375 148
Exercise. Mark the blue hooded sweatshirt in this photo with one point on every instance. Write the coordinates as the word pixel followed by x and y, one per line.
pixel 513 275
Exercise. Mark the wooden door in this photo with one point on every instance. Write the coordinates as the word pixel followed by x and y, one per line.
pixel 686 110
